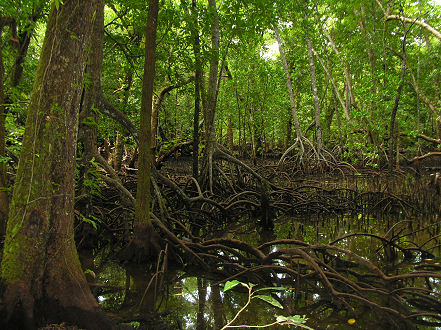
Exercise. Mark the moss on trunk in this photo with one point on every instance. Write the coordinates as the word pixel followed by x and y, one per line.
pixel 40 270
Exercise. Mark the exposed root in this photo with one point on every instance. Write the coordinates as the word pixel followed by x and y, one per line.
pixel 341 278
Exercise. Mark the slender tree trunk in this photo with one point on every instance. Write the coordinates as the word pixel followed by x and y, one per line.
pixel 239 121
pixel 262 120
pixel 197 93
pixel 202 294
pixel 328 71
pixel 118 152
pixel 217 306
pixel 289 84
pixel 144 232
pixel 318 126
pixel 337 115
pixel 373 71
pixel 405 20
pixel 288 141
pixel 210 111
pixel 128 83
pixel 4 197
pixel 417 84
pixel 346 69
pixel 230 133
pixel 253 133
pixel 397 100
pixel 24 40
pixel 40 268
pixel 157 106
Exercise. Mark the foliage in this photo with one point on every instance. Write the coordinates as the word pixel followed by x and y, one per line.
pixel 253 93
pixel 295 320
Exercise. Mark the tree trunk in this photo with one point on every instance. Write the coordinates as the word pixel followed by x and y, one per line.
pixel 157 106
pixel 197 92
pixel 289 83
pixel 397 100
pixel 328 71
pixel 288 140
pixel 202 294
pixel 4 196
pixel 374 132
pixel 346 69
pixel 40 269
pixel 318 127
pixel 145 240
pixel 230 133
pixel 239 122
pixel 217 307
pixel 210 110
pixel 87 131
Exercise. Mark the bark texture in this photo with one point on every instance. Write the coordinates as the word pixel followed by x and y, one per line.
pixel 4 197
pixel 210 109
pixel 144 244
pixel 40 270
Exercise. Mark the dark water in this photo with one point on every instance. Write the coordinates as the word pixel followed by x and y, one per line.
pixel 155 298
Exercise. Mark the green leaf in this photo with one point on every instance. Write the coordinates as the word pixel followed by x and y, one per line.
pixel 89 121
pixel 57 4
pixel 295 320
pixel 230 284
pixel 92 220
pixel 272 288
pixel 269 300
pixel 4 159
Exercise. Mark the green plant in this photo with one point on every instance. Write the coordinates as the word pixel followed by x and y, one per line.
pixel 91 181
pixel 295 320
pixel 92 220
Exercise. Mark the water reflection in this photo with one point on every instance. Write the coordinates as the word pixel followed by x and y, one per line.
pixel 143 296
pixel 164 297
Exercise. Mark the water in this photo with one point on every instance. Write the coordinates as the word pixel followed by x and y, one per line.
pixel 192 298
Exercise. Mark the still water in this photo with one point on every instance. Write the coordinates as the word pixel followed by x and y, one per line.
pixel 169 297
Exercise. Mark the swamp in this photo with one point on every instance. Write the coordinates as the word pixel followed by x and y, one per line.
pixel 189 164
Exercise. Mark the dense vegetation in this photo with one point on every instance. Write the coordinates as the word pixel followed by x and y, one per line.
pixel 358 49
pixel 94 91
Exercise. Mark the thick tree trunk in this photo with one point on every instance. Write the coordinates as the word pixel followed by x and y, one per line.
pixel 87 134
pixel 88 118
pixel 4 197
pixel 40 269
